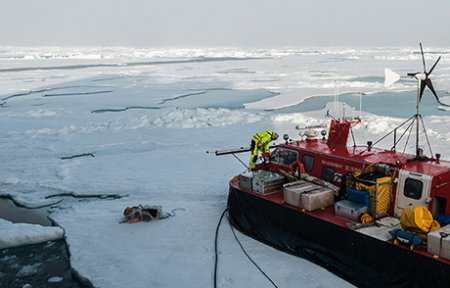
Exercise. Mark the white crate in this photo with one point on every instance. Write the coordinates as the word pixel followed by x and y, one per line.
pixel 439 245
pixel 349 210
pixel 292 192
pixel 265 182
pixel 317 199
pixel 245 180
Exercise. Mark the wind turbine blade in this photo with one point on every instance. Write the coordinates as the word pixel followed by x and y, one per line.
pixel 435 63
pixel 423 84
pixel 430 85
pixel 423 58
pixel 390 77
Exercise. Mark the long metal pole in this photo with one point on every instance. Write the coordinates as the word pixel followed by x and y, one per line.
pixel 426 136
pixel 360 104
pixel 417 115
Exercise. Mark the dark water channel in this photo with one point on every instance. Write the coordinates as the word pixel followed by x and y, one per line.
pixel 9 211
pixel 38 265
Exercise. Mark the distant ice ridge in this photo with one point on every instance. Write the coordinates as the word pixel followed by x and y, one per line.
pixel 173 118
pixel 201 118
pixel 99 53
pixel 294 73
pixel 38 113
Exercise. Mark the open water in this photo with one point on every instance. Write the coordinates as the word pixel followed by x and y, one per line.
pixel 399 104
pixel 38 265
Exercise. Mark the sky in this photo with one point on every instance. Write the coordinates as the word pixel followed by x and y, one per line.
pixel 224 23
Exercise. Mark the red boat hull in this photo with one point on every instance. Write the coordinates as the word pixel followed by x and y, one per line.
pixel 358 258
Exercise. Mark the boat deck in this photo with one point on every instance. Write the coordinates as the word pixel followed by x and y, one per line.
pixel 378 230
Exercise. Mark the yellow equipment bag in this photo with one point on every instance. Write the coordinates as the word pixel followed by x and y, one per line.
pixel 418 220
pixel 380 195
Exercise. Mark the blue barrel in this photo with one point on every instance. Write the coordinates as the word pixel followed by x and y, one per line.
pixel 406 237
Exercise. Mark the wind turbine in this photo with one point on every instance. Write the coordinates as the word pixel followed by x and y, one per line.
pixel 423 80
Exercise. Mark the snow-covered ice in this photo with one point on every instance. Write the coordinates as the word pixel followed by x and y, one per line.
pixel 17 234
pixel 144 120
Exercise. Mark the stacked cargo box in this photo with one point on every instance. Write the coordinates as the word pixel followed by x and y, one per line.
pixel 438 242
pixel 262 182
pixel 306 195
pixel 349 210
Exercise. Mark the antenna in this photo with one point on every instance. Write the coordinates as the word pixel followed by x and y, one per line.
pixel 335 98
pixel 360 104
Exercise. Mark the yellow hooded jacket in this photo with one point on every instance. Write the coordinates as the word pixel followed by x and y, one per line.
pixel 260 142
pixel 262 139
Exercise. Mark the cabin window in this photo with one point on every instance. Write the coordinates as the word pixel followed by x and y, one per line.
pixel 327 174
pixel 308 162
pixel 284 157
pixel 413 188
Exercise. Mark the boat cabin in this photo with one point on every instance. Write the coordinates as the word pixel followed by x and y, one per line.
pixel 413 181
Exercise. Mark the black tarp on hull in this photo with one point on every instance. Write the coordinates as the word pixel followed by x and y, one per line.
pixel 360 259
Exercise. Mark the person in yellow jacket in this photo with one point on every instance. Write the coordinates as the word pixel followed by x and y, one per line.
pixel 260 142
